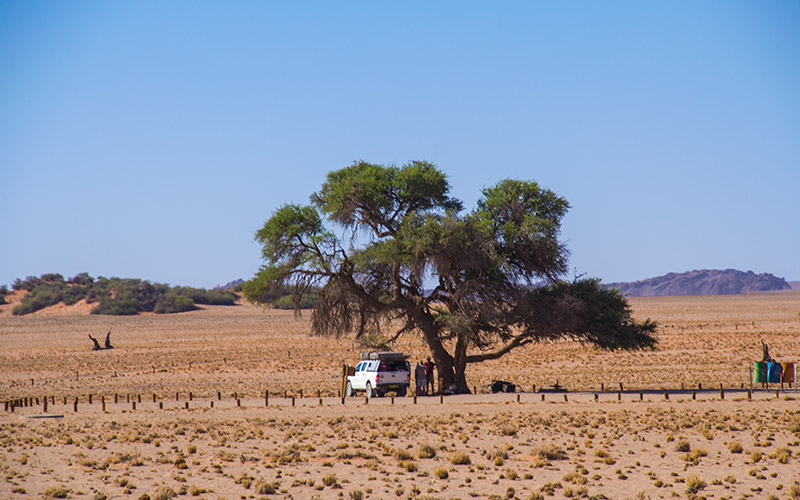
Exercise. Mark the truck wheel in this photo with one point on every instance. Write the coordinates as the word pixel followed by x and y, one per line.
pixel 369 390
pixel 348 390
pixel 401 393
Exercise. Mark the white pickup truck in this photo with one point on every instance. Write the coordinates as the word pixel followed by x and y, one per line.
pixel 378 373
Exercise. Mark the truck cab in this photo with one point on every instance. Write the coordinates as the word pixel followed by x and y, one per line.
pixel 379 372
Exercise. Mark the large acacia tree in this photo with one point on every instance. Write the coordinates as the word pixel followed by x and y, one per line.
pixel 375 236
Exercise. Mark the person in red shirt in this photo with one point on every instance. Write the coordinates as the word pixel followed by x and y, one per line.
pixel 429 367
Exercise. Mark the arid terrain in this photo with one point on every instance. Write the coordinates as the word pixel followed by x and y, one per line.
pixel 191 418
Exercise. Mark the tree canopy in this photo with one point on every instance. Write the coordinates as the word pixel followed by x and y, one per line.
pixel 374 236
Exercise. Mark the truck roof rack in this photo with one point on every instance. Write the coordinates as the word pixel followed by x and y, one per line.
pixel 383 355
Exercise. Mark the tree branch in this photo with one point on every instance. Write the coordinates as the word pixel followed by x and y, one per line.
pixel 516 342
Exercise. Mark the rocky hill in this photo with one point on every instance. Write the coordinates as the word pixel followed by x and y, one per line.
pixel 703 282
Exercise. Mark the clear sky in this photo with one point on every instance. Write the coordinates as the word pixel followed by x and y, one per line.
pixel 151 139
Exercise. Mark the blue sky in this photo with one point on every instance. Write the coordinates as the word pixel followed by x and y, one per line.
pixel 152 139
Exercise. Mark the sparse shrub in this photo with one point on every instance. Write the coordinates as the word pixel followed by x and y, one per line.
pixel 683 446
pixel 460 458
pixel 735 447
pixel 264 487
pixel 330 480
pixel 426 451
pixel 551 453
pixel 164 493
pixel 694 484
pixel 56 492
pixel 441 472
pixel 356 495
pixel 782 455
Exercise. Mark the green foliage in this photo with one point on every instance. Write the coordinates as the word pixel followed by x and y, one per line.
pixel 206 297
pixel 173 303
pixel 41 296
pixel 114 296
pixel 496 270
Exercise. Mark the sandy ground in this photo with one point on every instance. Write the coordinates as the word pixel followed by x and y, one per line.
pixel 631 444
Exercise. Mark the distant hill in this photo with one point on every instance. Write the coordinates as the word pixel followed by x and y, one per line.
pixel 230 285
pixel 703 282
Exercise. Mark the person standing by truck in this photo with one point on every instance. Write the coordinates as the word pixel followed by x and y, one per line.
pixel 429 367
pixel 419 375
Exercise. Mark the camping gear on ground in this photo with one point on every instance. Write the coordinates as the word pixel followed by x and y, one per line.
pixel 502 386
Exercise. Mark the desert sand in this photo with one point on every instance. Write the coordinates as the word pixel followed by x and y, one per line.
pixel 191 418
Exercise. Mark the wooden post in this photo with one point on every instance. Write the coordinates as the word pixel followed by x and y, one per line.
pixel 641 396
pixel 620 387
pixel 154 397
pixel 177 396
pixel 619 396
pixel 133 405
pixel 344 381
pixel 90 398
pixel 392 400
pixel 212 403
pixel 602 387
pixel 320 401
pixel 266 398
pixel 301 393
pixel 187 405
pixel 699 386
pixel 191 396
pixel 441 399
pixel 103 404
pixel 128 398
pixel 139 398
pixel 565 398
pixel 116 398
pixel 160 405
pixel 721 394
pixel 415 398
pixel 542 396
pixel 292 400
pixel 517 398
pixel 366 400
pixel 749 395
pixel 238 402
pixel 75 406
pixel 666 396
pixel 219 395
pixel 45 405
pixel 694 395
pixel 596 397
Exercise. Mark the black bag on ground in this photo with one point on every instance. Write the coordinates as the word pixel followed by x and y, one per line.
pixel 503 386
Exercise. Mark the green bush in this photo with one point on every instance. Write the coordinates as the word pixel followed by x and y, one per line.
pixel 114 296
pixel 41 296
pixel 207 297
pixel 117 307
pixel 173 303
pixel 72 294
